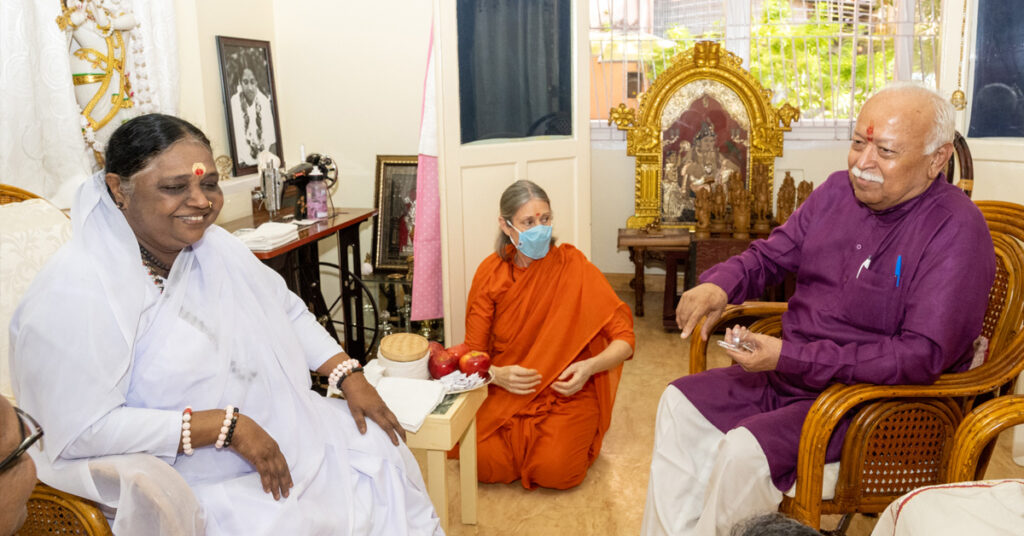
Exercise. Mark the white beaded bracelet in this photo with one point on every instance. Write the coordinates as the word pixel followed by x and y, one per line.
pixel 229 412
pixel 341 371
pixel 186 431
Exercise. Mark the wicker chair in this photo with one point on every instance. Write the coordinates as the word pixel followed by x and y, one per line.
pixel 901 436
pixel 962 156
pixel 52 511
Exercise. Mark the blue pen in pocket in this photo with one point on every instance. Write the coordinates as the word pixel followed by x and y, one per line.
pixel 899 268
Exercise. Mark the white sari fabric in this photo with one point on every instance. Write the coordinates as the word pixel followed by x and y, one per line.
pixel 106 363
pixel 989 507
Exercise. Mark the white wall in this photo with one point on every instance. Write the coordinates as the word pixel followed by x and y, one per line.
pixel 351 76
pixel 202 100
pixel 199 22
pixel 348 78
pixel 612 201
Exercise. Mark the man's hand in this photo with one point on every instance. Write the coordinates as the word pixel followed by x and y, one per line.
pixel 364 401
pixel 765 355
pixel 516 380
pixel 573 378
pixel 704 299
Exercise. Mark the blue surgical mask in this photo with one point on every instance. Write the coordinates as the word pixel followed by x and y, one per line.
pixel 534 242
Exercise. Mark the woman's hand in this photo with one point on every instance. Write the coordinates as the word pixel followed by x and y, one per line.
pixel 573 378
pixel 765 355
pixel 254 444
pixel 515 379
pixel 364 401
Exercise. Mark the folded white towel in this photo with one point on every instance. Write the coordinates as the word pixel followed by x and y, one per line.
pixel 268 236
pixel 411 400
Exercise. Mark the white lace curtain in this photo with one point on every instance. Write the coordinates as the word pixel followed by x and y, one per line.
pixel 41 145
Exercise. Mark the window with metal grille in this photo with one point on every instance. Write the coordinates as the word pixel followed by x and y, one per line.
pixel 824 56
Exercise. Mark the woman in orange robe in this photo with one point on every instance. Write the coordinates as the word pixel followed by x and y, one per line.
pixel 557 335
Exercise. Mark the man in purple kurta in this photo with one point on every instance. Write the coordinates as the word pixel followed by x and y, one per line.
pixel 893 266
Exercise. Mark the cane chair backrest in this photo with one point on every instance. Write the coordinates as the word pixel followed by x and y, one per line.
pixel 11 194
pixel 961 158
pixel 1002 323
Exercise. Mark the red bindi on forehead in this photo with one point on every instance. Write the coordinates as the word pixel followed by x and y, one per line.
pixel 871 132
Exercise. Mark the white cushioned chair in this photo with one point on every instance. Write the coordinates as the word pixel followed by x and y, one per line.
pixel 31 230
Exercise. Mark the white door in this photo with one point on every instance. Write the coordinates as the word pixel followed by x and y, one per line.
pixel 997 161
pixel 472 176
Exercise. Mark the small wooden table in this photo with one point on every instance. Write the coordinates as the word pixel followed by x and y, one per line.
pixel 440 432
pixel 674 244
pixel 298 262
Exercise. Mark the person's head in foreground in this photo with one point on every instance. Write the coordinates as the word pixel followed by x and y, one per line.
pixel 18 433
pixel 902 141
pixel 524 216
pixel 774 524
pixel 161 175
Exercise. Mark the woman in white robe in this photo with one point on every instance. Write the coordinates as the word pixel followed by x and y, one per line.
pixel 151 308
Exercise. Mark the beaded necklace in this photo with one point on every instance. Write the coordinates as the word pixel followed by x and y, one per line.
pixel 152 261
pixel 154 267
pixel 158 279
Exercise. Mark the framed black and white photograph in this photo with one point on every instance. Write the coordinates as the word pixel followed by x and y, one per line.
pixel 247 77
pixel 395 201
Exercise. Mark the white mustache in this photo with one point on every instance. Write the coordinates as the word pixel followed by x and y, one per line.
pixel 870 176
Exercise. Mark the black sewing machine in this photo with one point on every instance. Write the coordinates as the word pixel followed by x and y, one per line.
pixel 293 193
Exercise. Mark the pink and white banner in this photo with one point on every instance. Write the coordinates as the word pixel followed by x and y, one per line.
pixel 427 289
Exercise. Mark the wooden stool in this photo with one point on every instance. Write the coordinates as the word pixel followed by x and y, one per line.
pixel 450 424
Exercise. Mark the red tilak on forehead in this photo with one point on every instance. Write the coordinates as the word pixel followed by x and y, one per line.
pixel 871 132
pixel 199 169
pixel 537 215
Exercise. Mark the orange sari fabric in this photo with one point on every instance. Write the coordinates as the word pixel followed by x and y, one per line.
pixel 558 310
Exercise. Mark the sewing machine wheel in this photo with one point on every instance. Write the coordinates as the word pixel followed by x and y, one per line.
pixel 327 166
pixel 370 312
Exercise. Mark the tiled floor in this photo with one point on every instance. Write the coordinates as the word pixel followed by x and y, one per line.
pixel 611 500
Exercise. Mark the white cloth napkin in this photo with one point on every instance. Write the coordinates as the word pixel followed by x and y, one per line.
pixel 268 236
pixel 411 400
pixel 373 371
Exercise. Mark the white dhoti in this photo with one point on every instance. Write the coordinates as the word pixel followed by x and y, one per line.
pixel 703 481
pixel 989 507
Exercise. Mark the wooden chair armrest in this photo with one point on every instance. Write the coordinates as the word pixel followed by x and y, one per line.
pixel 979 428
pixel 699 347
pixel 996 371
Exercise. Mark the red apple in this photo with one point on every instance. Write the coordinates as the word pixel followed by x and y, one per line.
pixel 475 362
pixel 458 350
pixel 440 363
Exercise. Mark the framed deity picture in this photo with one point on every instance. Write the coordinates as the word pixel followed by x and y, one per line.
pixel 247 78
pixel 705 138
pixel 713 135
pixel 395 201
